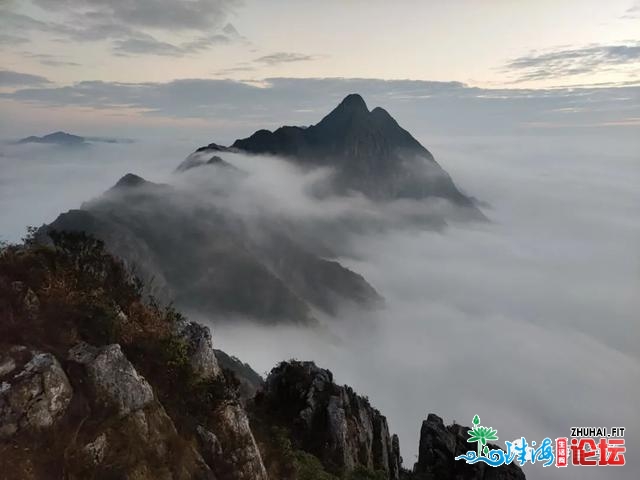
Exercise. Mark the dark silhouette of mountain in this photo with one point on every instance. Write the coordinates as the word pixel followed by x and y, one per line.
pixel 369 151
pixel 205 259
pixel 199 159
pixel 68 139
pixel 57 138
pixel 212 147
pixel 130 180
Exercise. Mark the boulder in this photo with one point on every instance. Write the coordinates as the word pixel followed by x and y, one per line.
pixel 113 380
pixel 200 350
pixel 34 391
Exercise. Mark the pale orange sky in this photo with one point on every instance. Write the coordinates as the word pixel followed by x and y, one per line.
pixel 462 40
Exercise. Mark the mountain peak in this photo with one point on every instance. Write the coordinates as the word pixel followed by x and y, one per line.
pixel 368 151
pixel 353 101
pixel 130 180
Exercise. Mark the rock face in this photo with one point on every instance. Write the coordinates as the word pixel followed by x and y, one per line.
pixel 330 421
pixel 112 378
pixel 34 391
pixel 440 444
pixel 200 350
pixel 370 152
pixel 236 456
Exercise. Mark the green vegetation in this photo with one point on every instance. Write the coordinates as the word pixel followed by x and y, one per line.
pixel 308 467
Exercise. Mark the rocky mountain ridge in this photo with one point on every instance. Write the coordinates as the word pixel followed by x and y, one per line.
pixel 97 383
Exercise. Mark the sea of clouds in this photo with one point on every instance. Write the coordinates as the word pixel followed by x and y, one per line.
pixel 529 320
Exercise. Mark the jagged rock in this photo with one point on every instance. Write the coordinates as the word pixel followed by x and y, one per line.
pixel 34 391
pixel 440 444
pixel 113 379
pixel 240 458
pixel 200 350
pixel 149 437
pixel 332 422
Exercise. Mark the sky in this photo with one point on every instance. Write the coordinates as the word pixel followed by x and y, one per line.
pixel 145 66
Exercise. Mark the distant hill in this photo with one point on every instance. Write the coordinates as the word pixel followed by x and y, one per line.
pixel 57 138
pixel 68 139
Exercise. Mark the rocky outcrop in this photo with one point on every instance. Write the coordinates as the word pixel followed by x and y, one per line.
pixel 143 444
pixel 202 358
pixel 232 447
pixel 440 444
pixel 114 382
pixel 34 391
pixel 124 430
pixel 332 422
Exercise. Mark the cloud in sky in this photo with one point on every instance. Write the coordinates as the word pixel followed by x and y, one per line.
pixel 142 44
pixel 632 12
pixel 9 39
pixel 133 28
pixel 574 61
pixel 427 108
pixel 199 15
pixel 50 60
pixel 9 78
pixel 285 57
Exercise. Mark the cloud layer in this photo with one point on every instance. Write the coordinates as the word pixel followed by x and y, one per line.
pixel 132 28
pixel 529 321
pixel 563 63
pixel 9 78
pixel 236 109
